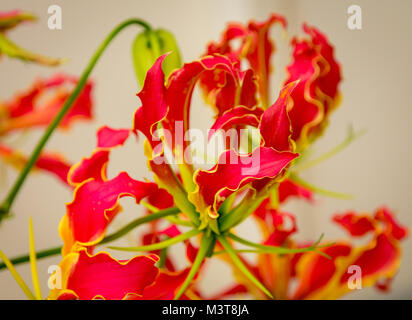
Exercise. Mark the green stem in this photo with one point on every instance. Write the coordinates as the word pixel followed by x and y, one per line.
pixel 121 232
pixel 8 201
pixel 272 249
pixel 352 136
pixel 248 205
pixel 162 244
pixel 240 265
pixel 204 249
pixel 321 191
pixel 137 222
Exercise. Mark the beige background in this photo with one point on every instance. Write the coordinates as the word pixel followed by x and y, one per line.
pixel 376 96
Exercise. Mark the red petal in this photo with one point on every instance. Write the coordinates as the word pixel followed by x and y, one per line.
pixel 29 110
pixel 49 162
pixel 94 206
pixel 317 92
pixel 101 276
pixel 154 105
pixel 236 116
pixel 95 166
pixel 288 188
pixel 234 171
pixel 275 124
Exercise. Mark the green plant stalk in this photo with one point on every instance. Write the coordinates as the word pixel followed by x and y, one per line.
pixel 271 249
pixel 114 236
pixel 351 136
pixel 204 249
pixel 248 205
pixel 8 201
pixel 162 244
pixel 240 265
pixel 321 191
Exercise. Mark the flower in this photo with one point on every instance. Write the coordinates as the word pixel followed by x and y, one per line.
pixel 36 107
pixel 311 276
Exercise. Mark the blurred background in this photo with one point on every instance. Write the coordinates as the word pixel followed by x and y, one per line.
pixel 376 70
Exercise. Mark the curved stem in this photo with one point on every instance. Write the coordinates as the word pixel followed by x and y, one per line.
pixel 116 235
pixel 8 201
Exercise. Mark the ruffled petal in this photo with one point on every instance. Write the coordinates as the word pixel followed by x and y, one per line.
pixel 28 109
pixel 95 166
pixel 232 172
pixel 238 116
pixel 94 205
pixel 100 276
pixel 154 105
pixel 275 124
pixel 316 95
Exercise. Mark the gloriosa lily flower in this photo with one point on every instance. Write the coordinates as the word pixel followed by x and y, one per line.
pixel 244 182
pixel 311 276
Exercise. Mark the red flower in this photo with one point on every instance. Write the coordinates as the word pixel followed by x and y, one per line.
pixel 37 107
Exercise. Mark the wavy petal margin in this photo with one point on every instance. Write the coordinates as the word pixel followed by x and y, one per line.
pixel 232 172
pixel 94 206
pixel 100 276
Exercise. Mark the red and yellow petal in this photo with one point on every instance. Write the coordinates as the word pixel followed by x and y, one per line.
pixel 99 276
pixel 94 205
pixel 275 125
pixel 232 172
pixel 39 105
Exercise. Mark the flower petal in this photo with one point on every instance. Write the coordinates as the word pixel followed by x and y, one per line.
pixel 232 172
pixel 100 276
pixel 316 95
pixel 275 124
pixel 95 204
pixel 29 110
pixel 50 162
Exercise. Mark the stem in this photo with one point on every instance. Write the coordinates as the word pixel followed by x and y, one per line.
pixel 352 136
pixel 272 249
pixel 240 265
pixel 8 201
pixel 204 249
pixel 162 244
pixel 321 191
pixel 127 228
pixel 135 223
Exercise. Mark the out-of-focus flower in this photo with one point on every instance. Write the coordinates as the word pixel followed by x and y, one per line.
pixel 311 276
pixel 8 21
pixel 36 107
